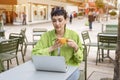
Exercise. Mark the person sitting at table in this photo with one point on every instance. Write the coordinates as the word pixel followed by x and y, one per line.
pixel 61 41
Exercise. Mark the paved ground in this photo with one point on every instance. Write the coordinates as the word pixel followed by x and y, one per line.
pixel 95 72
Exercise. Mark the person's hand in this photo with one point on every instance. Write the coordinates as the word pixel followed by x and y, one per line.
pixel 56 45
pixel 72 44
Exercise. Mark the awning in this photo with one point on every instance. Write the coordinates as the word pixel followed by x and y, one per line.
pixel 92 4
pixel 8 2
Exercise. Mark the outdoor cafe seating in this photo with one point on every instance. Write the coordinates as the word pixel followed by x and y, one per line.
pixel 8 51
pixel 87 41
pixel 28 67
pixel 106 41
pixel 37 32
pixel 21 42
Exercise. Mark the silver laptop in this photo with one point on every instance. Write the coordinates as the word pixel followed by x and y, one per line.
pixel 49 63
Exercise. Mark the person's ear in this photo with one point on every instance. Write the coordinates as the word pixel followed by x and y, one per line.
pixel 66 20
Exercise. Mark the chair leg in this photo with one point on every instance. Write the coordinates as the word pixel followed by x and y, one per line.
pixel 33 45
pixel 98 56
pixel 25 49
pixel 108 51
pixel 10 61
pixel 88 50
pixel 1 66
pixel 7 64
pixel 102 55
pixel 22 53
pixel 17 60
pixel 22 56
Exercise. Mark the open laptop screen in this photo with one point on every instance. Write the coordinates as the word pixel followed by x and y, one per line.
pixel 49 63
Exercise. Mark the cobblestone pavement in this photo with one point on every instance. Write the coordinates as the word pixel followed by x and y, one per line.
pixel 94 71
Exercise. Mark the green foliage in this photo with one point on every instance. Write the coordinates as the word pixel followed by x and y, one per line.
pixel 80 14
pixel 113 13
pixel 99 3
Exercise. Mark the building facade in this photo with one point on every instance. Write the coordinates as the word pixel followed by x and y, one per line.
pixel 36 10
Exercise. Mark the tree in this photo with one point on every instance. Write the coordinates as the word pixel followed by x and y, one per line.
pixel 117 56
pixel 100 7
pixel 99 4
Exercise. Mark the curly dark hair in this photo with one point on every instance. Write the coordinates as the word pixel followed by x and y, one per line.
pixel 57 11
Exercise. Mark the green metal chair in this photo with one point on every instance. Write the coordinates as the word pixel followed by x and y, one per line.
pixel 87 41
pixel 105 43
pixel 37 32
pixel 26 42
pixel 8 50
pixel 83 73
pixel 21 42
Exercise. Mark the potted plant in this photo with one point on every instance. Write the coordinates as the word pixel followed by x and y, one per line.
pixel 113 14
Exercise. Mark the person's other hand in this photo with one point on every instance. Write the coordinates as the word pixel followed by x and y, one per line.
pixel 72 44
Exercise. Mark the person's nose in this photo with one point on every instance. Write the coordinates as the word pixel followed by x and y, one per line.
pixel 57 22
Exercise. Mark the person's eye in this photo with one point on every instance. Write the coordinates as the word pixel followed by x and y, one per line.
pixel 60 20
pixel 54 20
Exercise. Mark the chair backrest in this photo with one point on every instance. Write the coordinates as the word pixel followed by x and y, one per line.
pixel 23 33
pixel 107 41
pixel 85 37
pixel 39 29
pixel 9 46
pixel 16 35
pixel 111 28
pixel 37 32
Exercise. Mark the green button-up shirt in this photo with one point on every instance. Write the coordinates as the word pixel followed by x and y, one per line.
pixel 48 39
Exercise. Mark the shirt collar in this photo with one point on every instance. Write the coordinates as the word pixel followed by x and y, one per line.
pixel 54 35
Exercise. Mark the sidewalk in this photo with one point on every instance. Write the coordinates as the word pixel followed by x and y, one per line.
pixel 95 72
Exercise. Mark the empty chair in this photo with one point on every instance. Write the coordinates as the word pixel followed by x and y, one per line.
pixel 26 42
pixel 8 50
pixel 106 42
pixel 87 40
pixel 21 42
pixel 37 32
